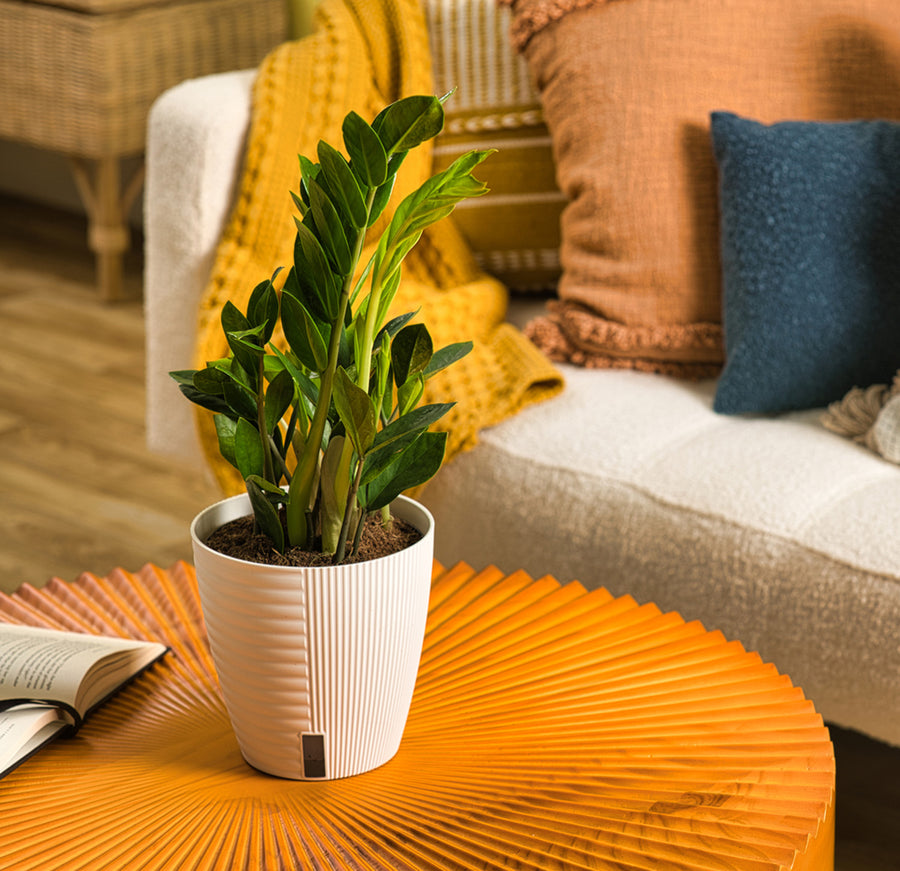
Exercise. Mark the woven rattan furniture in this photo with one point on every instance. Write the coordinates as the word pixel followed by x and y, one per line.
pixel 79 76
pixel 551 728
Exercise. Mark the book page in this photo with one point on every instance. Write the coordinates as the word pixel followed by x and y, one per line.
pixel 50 665
pixel 23 730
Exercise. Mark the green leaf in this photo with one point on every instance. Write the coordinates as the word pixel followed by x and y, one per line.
pixel 279 397
pixel 248 449
pixel 412 467
pixel 240 402
pixel 184 379
pixel 411 352
pixel 265 513
pixel 235 324
pixel 415 421
pixel 356 412
pixel 380 459
pixel 303 334
pixel 247 354
pixel 389 289
pixel 302 207
pixel 275 494
pixel 309 171
pixel 262 308
pixel 383 194
pixel 225 430
pixel 342 184
pixel 409 122
pixel 330 233
pixel 233 321
pixel 409 394
pixel 430 202
pixel 306 385
pixel 396 436
pixel 393 326
pixel 368 159
pixel 312 276
pixel 447 356
pixel 210 381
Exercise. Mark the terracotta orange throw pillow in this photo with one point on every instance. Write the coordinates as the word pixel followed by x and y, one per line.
pixel 627 87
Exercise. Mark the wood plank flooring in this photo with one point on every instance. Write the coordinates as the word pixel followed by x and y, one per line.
pixel 79 491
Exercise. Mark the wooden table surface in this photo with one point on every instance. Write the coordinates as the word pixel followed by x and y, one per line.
pixel 551 728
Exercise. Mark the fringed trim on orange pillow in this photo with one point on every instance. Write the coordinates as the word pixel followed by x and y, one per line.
pixel 532 16
pixel 572 333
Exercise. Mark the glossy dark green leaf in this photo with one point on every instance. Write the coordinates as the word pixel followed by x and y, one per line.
pixel 308 172
pixel 246 346
pixel 414 466
pixel 210 381
pixel 262 308
pixel 368 159
pixel 248 449
pixel 398 435
pixel 343 184
pixel 393 326
pixel 409 394
pixel 279 396
pixel 308 388
pixel 316 284
pixel 411 352
pixel 355 409
pixel 240 402
pixel 379 459
pixel 303 334
pixel 265 513
pixel 447 356
pixel 415 421
pixel 382 197
pixel 233 320
pixel 302 207
pixel 330 230
pixel 409 122
pixel 225 430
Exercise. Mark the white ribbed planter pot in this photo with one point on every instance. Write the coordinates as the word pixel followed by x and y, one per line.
pixel 317 665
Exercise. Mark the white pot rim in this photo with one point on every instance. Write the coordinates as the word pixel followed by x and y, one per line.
pixel 407 505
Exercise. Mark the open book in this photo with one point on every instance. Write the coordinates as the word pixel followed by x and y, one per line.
pixel 51 680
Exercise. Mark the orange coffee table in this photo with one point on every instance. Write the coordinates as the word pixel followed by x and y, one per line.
pixel 551 728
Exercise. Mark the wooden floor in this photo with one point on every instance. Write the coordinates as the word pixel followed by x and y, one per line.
pixel 78 490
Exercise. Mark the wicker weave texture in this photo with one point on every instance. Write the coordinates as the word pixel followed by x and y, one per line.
pixel 83 83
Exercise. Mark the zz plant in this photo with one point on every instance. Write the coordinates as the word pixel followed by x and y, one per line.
pixel 328 426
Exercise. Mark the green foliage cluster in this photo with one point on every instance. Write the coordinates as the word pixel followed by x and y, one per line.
pixel 330 427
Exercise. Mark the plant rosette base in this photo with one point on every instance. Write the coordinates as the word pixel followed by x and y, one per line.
pixel 317 665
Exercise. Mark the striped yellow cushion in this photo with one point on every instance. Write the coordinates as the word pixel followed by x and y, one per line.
pixel 514 230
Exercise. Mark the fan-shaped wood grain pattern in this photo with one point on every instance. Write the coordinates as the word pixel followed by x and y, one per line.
pixel 551 728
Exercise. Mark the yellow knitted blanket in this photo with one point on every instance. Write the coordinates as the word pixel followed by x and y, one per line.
pixel 362 55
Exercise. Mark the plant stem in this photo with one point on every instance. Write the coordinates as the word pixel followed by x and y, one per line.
pixel 357 536
pixel 268 473
pixel 282 467
pixel 348 514
pixel 299 532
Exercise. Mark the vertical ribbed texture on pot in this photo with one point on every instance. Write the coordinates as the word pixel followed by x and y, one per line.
pixel 330 651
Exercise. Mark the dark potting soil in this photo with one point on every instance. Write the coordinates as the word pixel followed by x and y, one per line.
pixel 237 539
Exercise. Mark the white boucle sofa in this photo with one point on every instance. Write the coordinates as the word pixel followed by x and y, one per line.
pixel 773 530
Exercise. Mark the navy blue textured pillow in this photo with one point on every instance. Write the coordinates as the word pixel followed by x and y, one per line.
pixel 810 243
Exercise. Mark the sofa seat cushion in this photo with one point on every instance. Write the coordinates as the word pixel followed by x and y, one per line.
pixel 775 531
